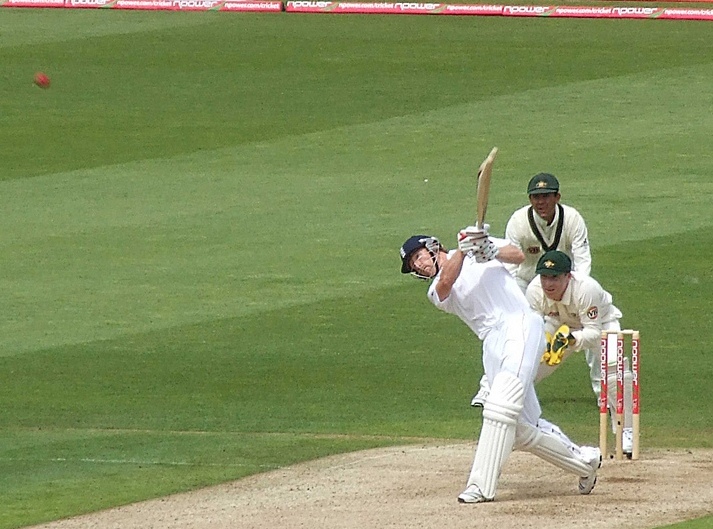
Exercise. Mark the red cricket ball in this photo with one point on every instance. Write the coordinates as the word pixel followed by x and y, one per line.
pixel 42 80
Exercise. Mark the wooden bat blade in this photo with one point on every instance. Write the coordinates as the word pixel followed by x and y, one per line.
pixel 485 172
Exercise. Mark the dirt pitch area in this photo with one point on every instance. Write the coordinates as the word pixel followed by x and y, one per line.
pixel 416 487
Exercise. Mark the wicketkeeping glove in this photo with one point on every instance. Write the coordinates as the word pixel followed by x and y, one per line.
pixel 548 349
pixel 561 341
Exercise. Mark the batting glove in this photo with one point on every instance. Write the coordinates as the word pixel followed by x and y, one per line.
pixel 476 232
pixel 487 252
pixel 470 245
pixel 472 238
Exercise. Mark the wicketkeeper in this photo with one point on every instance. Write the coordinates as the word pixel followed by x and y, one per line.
pixel 576 309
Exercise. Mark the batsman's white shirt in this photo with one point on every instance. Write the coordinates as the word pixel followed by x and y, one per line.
pixel 487 299
pixel 574 241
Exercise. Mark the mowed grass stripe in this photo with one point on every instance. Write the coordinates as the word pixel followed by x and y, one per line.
pixel 258 77
pixel 56 26
pixel 263 176
pixel 372 364
pixel 31 434
pixel 121 249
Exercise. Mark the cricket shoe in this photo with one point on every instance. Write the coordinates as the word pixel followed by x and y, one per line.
pixel 592 457
pixel 627 441
pixel 472 494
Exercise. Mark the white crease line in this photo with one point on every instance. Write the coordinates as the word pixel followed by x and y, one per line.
pixel 134 462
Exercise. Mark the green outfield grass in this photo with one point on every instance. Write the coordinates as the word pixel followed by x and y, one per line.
pixel 201 220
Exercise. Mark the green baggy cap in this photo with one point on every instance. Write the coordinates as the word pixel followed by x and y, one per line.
pixel 543 183
pixel 554 263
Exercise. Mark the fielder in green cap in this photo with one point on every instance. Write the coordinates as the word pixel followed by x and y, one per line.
pixel 576 309
pixel 546 225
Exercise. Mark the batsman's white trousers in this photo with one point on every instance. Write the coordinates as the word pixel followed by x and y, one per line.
pixel 515 345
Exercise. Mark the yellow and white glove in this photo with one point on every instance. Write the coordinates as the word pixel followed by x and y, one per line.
pixel 558 345
pixel 548 349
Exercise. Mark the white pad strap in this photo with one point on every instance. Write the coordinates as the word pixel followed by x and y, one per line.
pixel 549 443
pixel 497 436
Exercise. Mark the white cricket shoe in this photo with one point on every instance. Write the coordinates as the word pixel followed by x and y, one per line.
pixel 472 494
pixel 628 441
pixel 593 457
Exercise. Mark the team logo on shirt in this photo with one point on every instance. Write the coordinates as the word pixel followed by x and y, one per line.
pixel 553 314
pixel 533 250
pixel 592 313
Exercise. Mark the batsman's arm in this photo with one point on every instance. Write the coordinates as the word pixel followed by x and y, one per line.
pixel 507 252
pixel 512 231
pixel 450 271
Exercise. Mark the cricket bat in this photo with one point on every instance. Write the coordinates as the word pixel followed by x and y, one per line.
pixel 485 171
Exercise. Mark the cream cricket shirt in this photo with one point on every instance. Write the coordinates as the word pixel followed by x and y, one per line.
pixel 573 241
pixel 586 307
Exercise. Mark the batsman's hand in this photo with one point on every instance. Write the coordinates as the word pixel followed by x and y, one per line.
pixel 487 252
pixel 561 341
pixel 475 232
pixel 548 349
pixel 471 238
